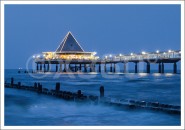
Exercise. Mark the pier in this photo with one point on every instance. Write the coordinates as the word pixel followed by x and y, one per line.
pixel 80 97
pixel 160 59
pixel 70 57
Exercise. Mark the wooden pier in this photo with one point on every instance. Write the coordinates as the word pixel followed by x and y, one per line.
pixel 79 97
pixel 70 57
pixel 82 65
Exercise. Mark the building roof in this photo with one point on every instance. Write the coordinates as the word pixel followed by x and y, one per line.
pixel 69 44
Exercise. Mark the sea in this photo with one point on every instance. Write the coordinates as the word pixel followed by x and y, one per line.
pixel 26 108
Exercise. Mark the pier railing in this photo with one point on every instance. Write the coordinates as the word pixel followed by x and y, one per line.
pixel 121 58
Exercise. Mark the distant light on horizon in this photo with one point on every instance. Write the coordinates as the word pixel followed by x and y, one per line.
pixel 110 55
pixel 169 51
pixel 157 51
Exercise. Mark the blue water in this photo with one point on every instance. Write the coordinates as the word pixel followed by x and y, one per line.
pixel 27 108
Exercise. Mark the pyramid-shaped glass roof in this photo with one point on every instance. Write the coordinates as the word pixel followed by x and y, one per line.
pixel 69 44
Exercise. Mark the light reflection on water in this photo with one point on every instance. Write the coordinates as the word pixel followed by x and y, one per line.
pixel 29 108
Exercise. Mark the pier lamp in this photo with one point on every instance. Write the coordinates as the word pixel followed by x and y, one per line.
pixel 131 54
pixel 143 52
pixel 157 53
pixel 110 56
pixel 94 53
pixel 169 51
pixel 120 55
pixel 38 56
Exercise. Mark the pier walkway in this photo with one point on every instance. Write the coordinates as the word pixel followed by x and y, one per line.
pixel 85 65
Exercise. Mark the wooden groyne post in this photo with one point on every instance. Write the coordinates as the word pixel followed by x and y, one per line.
pixel 101 91
pixel 12 80
pixel 57 88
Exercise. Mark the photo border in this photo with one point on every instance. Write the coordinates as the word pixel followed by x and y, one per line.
pixel 3 3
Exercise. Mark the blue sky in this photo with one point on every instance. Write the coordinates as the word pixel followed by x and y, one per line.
pixel 106 29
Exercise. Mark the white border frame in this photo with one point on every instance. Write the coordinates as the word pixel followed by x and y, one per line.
pixel 3 3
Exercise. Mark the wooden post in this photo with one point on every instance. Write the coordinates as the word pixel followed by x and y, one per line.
pixel 56 67
pixel 57 88
pixel 19 85
pixel 100 68
pixel 79 93
pixel 105 68
pixel 111 67
pixel 85 67
pixel 162 71
pixel 114 67
pixel 39 88
pixel 35 85
pixel 148 67
pixel 125 68
pixel 136 70
pixel 159 68
pixel 12 80
pixel 101 91
pixel 174 68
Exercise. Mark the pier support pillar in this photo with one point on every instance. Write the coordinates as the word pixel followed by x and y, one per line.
pixel 111 67
pixel 175 68
pixel 75 68
pixel 56 67
pixel 40 67
pixel 148 68
pixel 65 69
pixel 125 68
pixel 60 67
pixel 114 67
pixel 159 69
pixel 94 68
pixel 136 68
pixel 100 68
pixel 80 67
pixel 85 67
pixel 90 67
pixel 37 67
pixel 101 91
pixel 44 68
pixel 105 68
pixel 162 71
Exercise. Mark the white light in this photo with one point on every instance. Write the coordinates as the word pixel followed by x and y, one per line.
pixel 120 54
pixel 110 55
pixel 34 57
pixel 169 51
pixel 106 57
pixel 157 51
pixel 164 53
pixel 131 54
pixel 44 55
pixel 95 53
pixel 143 52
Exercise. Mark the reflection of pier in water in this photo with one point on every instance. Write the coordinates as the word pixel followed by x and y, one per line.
pixel 70 56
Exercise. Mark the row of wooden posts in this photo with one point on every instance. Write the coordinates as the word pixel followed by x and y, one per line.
pixel 80 97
